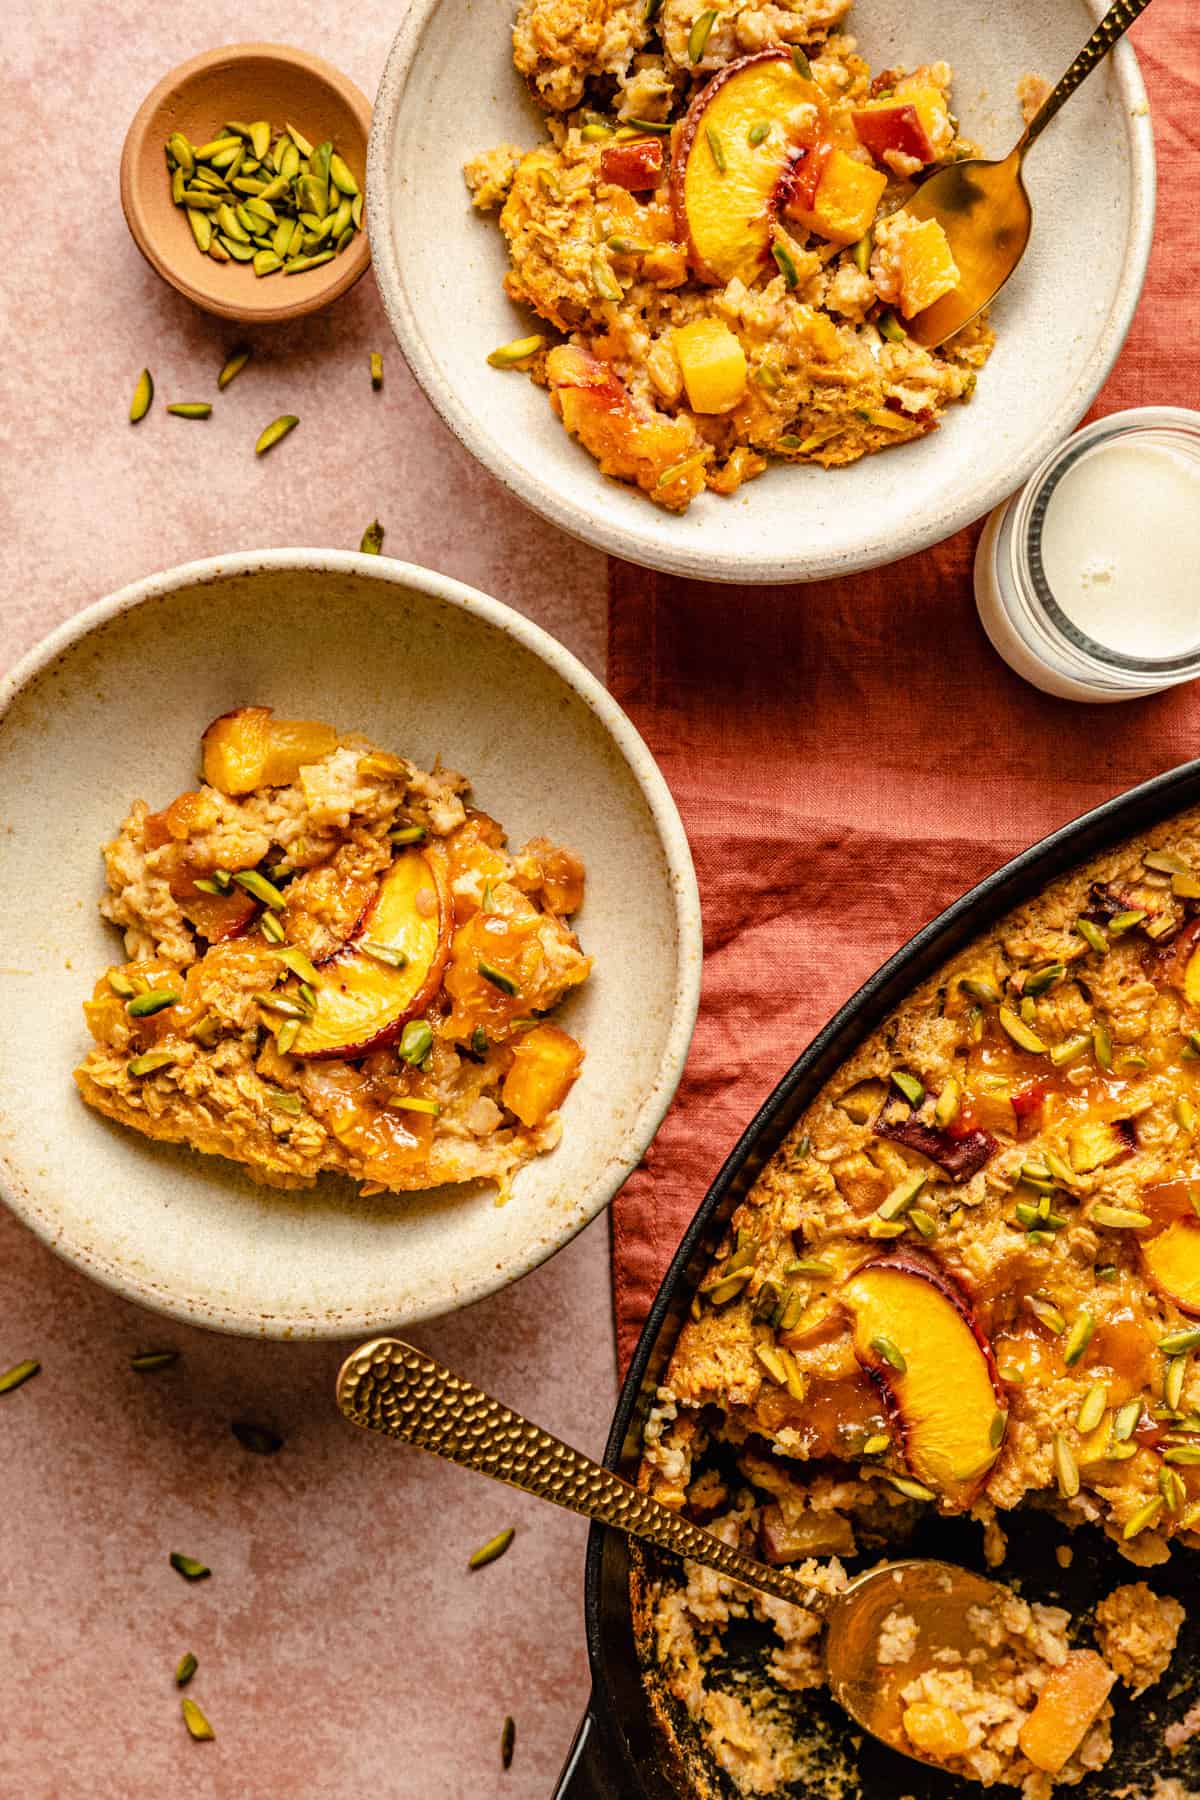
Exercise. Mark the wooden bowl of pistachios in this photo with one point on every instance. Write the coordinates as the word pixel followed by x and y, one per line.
pixel 243 181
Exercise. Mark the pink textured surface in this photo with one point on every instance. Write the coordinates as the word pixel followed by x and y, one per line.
pixel 344 1649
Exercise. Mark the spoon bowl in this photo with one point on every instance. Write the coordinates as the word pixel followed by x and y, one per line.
pixel 983 207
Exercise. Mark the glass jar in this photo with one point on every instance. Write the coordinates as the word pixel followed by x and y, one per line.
pixel 1019 611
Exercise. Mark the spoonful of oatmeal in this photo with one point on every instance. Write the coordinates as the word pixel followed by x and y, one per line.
pixel 983 207
pixel 873 1623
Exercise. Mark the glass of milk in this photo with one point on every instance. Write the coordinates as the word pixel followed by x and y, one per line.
pixel 1088 579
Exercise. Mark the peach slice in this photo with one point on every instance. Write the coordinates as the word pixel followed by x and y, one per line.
pixel 391 969
pixel 741 136
pixel 893 125
pixel 1067 1705
pixel 544 1067
pixel 250 748
pixel 915 1334
pixel 1171 1260
pixel 927 267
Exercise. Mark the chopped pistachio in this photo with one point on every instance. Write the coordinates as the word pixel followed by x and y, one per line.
pixel 492 1550
pixel 903 1195
pixel 1118 1218
pixel 498 979
pixel 808 1265
pixel 912 1490
pixel 1020 1032
pixel 1043 978
pixel 699 35
pixel 143 397
pixel 946 1106
pixel 769 1358
pixel 1144 1516
pixel 1176 1342
pixel 1173 1381
pixel 909 1086
pixel 1165 862
pixel 801 63
pixel 185 1669
pixel 121 985
pixel 1066 1468
pixel 154 1000
pixel 1125 1423
pixel 1122 922
pixel 146 1362
pixel 508 1741
pixel 1093 1407
pixel 922 1221
pixel 196 1722
pixel 1070 1050
pixel 260 888
pixel 980 987
pixel 272 433
pixel 18 1375
pixel 890 1352
pixel 1046 1313
pixel 876 1445
pixel 188 1567
pixel 1078 1338
pixel 997 1428
pixel 151 1060
pixel 1093 935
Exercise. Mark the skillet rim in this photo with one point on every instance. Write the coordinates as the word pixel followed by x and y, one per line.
pixel 603 1744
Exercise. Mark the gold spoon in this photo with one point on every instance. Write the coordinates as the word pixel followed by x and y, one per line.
pixel 983 207
pixel 391 1387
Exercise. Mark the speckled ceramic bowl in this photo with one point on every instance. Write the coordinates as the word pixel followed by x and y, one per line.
pixel 110 708
pixel 1059 323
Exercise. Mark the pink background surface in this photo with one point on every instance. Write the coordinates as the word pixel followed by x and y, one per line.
pixel 344 1649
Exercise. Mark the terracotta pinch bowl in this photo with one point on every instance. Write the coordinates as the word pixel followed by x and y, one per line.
pixel 241 81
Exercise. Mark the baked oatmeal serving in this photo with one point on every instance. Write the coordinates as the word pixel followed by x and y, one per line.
pixel 334 963
pixel 968 1282
pixel 714 232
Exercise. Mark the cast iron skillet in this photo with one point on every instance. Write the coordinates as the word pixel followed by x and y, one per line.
pixel 619 1752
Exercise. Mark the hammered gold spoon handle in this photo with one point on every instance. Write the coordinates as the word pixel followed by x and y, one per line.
pixel 391 1387
pixel 1109 31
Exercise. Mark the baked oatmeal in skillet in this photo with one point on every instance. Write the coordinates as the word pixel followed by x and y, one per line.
pixel 335 963
pixel 969 1281
pixel 714 234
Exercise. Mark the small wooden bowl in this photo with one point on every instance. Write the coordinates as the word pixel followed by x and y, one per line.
pixel 241 81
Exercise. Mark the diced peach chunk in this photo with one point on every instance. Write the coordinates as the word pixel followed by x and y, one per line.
pixel 545 1064
pixel 713 364
pixel 895 127
pixel 845 201
pixel 927 267
pixel 250 748
pixel 1171 1260
pixel 1067 1705
pixel 934 1730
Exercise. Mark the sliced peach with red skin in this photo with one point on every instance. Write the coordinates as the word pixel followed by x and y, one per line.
pixel 630 442
pixel 892 125
pixel 907 1310
pixel 546 1062
pixel 1068 1705
pixel 249 748
pixel 364 1000
pixel 727 214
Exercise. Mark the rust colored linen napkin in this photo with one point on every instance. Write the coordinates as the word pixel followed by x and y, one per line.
pixel 849 756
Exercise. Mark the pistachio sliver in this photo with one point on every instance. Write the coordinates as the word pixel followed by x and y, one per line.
pixel 191 409
pixel 232 367
pixel 414 1103
pixel 18 1375
pixel 508 1742
pixel 498 979
pixel 196 1721
pixel 188 1567
pixel 143 397
pixel 154 1000
pixel 785 264
pixel 372 539
pixel 890 1352
pixel 1093 1408
pixel 1020 1032
pixel 147 1362
pixel 341 177
pixel 1066 1468
pixel 518 352
pixel 185 1668
pixel 416 1041
pixel 716 148
pixel 699 35
pixel 494 1548
pixel 274 432
pixel 1176 1342
pixel 377 369
pixel 257 885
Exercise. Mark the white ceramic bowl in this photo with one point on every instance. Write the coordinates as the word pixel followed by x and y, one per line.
pixel 109 709
pixel 449 90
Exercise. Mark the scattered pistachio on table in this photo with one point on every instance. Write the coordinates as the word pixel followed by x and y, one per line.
pixel 195 1720
pixel 494 1548
pixel 188 1567
pixel 270 199
pixel 234 363
pixel 147 1362
pixel 143 397
pixel 18 1375
pixel 191 409
pixel 508 1742
pixel 185 1669
pixel 278 428
pixel 372 539
pixel 376 368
